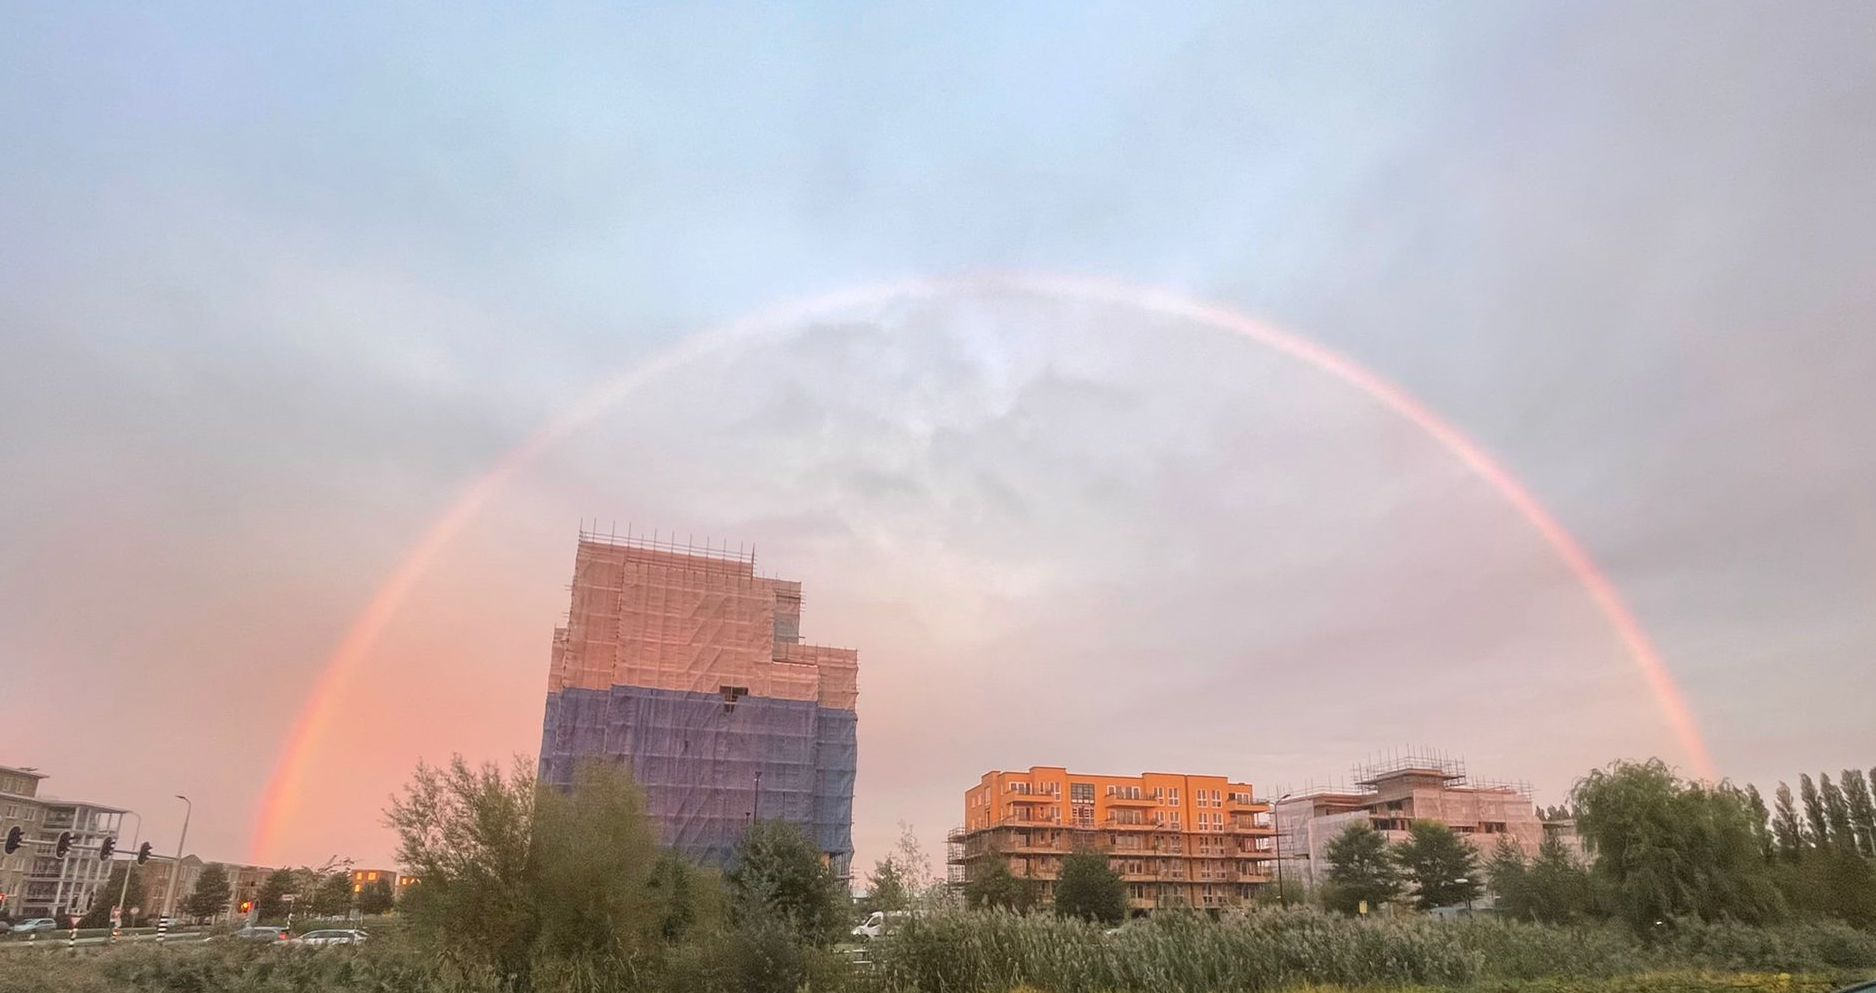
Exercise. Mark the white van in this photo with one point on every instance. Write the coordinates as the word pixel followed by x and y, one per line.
pixel 879 922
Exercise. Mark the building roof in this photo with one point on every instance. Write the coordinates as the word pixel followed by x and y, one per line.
pixel 52 801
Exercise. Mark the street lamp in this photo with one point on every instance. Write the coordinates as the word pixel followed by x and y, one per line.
pixel 175 870
pixel 1283 901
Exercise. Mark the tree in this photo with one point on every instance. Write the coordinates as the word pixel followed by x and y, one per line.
pixel 1787 830
pixel 1837 812
pixel 1361 870
pixel 1443 868
pixel 333 896
pixel 1668 848
pixel 376 898
pixel 1559 887
pixel 1090 890
pixel 993 885
pixel 1761 822
pixel 272 900
pixel 590 868
pixel 687 898
pixel 886 888
pixel 467 832
pixel 1830 882
pixel 914 868
pixel 106 899
pixel 1508 877
pixel 1816 820
pixel 211 892
pixel 779 877
pixel 1856 791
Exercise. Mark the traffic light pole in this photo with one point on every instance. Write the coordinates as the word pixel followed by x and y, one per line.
pixel 123 892
pixel 175 869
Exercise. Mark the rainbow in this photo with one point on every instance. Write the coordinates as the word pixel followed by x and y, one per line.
pixel 278 801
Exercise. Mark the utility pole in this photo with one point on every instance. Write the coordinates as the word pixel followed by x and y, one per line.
pixel 175 869
pixel 756 810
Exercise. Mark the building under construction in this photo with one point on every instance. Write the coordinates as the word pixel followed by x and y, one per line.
pixel 685 664
pixel 1393 792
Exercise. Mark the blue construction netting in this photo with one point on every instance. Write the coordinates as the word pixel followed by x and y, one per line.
pixel 697 757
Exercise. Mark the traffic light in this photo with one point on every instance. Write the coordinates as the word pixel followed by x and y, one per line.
pixel 64 845
pixel 143 853
pixel 15 838
pixel 247 905
pixel 106 848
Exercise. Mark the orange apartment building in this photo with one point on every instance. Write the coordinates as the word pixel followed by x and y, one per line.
pixel 1175 840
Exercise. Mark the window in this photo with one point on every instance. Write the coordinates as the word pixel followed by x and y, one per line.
pixel 1081 792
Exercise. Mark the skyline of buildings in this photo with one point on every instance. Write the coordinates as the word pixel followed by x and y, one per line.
pixel 682 663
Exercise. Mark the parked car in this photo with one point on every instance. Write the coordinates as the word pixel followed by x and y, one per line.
pixel 261 932
pixel 879 922
pixel 332 937
pixel 35 924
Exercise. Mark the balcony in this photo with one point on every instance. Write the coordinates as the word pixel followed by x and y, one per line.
pixel 1033 799
pixel 1114 825
pixel 1118 800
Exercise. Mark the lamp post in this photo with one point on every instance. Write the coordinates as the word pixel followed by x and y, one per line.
pixel 1283 900
pixel 175 869
pixel 123 892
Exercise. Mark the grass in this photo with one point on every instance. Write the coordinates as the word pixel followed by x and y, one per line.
pixel 1001 953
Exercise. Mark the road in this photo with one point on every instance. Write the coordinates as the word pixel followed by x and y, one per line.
pixel 59 940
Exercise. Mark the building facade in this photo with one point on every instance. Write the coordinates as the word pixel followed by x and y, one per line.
pixel 244 887
pixel 1175 840
pixel 58 886
pixel 1389 797
pixel 159 874
pixel 19 808
pixel 683 664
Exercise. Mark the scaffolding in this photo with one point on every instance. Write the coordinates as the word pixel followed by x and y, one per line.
pixel 678 660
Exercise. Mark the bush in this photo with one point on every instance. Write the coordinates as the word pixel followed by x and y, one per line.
pixel 763 957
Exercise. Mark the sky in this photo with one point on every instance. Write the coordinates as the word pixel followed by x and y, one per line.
pixel 277 285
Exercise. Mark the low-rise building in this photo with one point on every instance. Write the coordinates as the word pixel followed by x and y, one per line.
pixel 244 887
pixel 156 876
pixel 19 808
pixel 1176 840
pixel 58 886
pixel 1389 797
